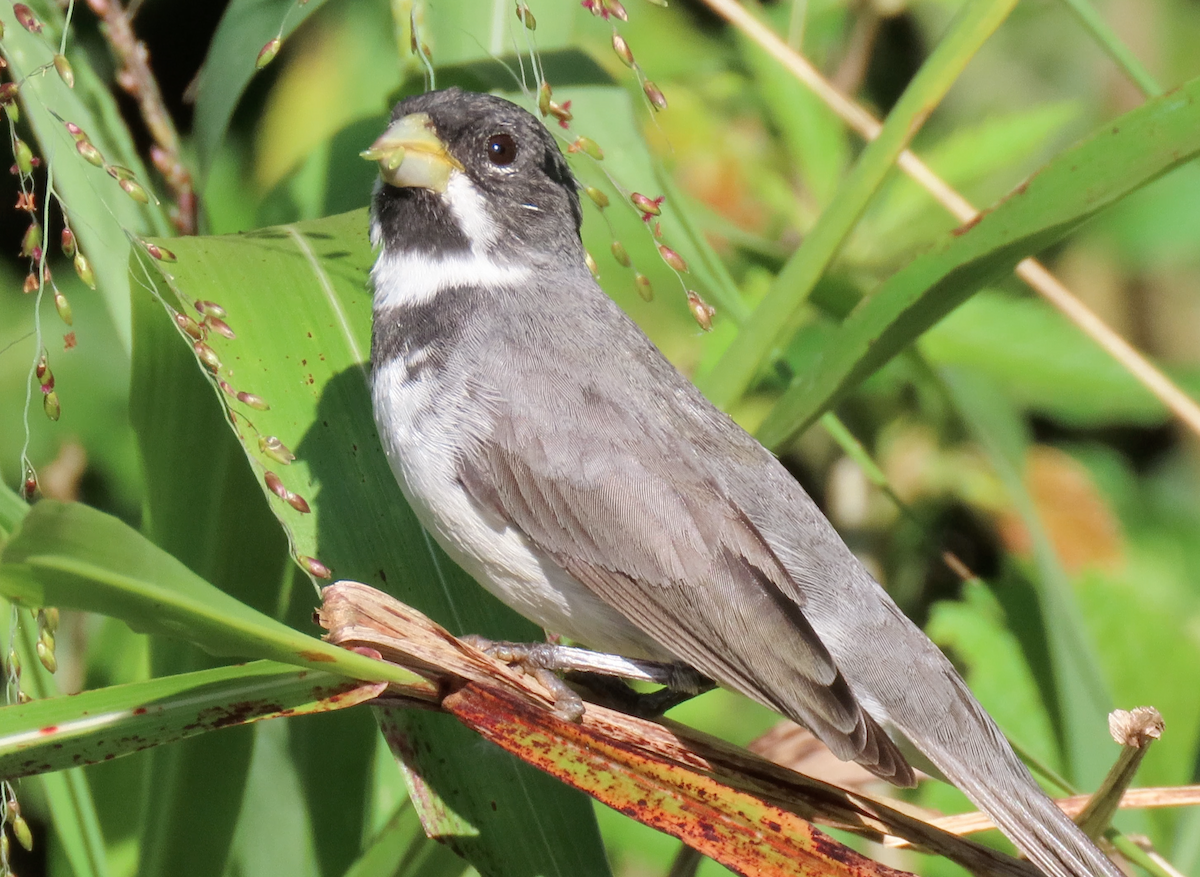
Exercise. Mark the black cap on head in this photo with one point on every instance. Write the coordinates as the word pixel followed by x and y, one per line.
pixel 519 195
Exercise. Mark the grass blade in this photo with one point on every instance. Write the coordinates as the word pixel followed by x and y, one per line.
pixel 1135 149
pixel 757 340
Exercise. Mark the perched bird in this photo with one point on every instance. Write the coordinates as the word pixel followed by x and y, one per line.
pixel 558 457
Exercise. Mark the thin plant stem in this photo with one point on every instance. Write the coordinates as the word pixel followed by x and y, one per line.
pixel 1029 270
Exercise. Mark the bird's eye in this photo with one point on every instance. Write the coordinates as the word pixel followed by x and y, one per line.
pixel 501 150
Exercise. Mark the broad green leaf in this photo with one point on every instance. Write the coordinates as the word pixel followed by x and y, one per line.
pixel 47 735
pixel 72 556
pixel 756 342
pixel 218 525
pixel 401 849
pixel 296 297
pixel 274 836
pixel 101 214
pixel 1128 153
pixel 981 161
pixel 1040 360
pixel 230 64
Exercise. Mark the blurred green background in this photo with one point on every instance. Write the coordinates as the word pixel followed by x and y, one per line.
pixel 1001 409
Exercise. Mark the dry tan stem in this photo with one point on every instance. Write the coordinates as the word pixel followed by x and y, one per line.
pixel 1029 270
pixel 1134 799
pixel 360 617
pixel 137 78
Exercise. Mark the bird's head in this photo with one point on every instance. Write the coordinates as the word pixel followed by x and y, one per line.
pixel 461 171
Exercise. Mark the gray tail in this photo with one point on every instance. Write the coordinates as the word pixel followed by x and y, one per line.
pixel 970 750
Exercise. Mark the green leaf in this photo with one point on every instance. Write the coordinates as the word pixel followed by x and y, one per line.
pixel 1135 149
pixel 401 849
pixel 1041 361
pixel 46 735
pixel 981 161
pixel 217 524
pixel 296 297
pixel 755 344
pixel 72 556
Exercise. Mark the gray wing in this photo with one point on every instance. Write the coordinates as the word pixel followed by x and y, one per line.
pixel 629 511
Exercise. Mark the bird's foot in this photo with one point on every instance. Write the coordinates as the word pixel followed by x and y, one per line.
pixel 602 674
pixel 538 660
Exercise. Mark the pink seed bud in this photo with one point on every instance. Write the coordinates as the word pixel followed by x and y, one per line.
pixel 701 310
pixel 297 502
pixel 525 16
pixel 617 10
pixel 672 258
pixel 644 289
pixel 134 190
pixel 31 241
pixel 90 153
pixel 207 356
pixel 26 18
pixel 648 206
pixel 53 409
pixel 622 49
pixel 157 252
pixel 275 485
pixel 253 401
pixel 63 307
pixel 267 53
pixel 587 146
pixel 220 327
pixel 314 567
pixel 210 309
pixel 275 449
pixel 188 325
pixel 24 156
pixel 84 269
pixel 657 99
pixel 67 241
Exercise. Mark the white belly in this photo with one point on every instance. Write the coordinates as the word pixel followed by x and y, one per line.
pixel 422 438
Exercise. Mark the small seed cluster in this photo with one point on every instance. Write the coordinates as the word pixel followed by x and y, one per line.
pixel 33 242
pixel 212 320
pixel 648 208
pixel 11 818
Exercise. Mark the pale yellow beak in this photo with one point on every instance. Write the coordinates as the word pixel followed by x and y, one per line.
pixel 411 155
